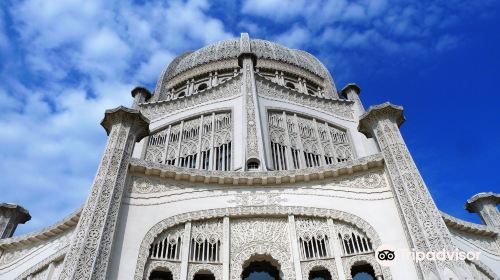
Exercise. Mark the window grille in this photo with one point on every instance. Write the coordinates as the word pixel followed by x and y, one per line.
pixel 204 142
pixel 309 142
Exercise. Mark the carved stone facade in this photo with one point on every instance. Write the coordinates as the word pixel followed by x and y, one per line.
pixel 246 157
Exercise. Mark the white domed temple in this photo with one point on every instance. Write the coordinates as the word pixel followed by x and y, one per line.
pixel 247 162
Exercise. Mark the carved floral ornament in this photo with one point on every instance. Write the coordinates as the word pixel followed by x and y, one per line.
pixel 174 268
pixel 215 269
pixel 234 212
pixel 365 259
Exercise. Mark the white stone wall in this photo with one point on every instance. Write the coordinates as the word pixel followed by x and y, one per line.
pixel 143 211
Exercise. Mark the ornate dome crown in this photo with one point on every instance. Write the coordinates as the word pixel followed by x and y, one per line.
pixel 226 53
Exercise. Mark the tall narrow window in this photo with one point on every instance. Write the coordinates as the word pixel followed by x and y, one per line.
pixel 295 156
pixel 278 153
pixel 188 161
pixel 205 159
pixel 312 160
pixel 223 157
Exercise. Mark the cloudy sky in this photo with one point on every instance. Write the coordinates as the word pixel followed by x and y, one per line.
pixel 64 62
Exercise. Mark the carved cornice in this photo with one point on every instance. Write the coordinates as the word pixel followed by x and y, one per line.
pixel 256 178
pixel 59 228
pixel 374 113
pixel 462 225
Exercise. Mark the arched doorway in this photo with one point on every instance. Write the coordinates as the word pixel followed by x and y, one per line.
pixel 320 274
pixel 260 270
pixel 362 272
pixel 204 276
pixel 160 275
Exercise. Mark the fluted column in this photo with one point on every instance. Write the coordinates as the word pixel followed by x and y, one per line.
pixel 419 213
pixel 90 251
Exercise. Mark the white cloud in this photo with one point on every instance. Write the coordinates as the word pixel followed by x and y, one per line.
pixel 295 37
pixel 150 70
pixel 275 9
pixel 83 57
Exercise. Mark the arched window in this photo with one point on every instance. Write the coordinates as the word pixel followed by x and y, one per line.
pixel 206 242
pixel 160 275
pixel 253 164
pixel 362 272
pixel 353 243
pixel 168 245
pixel 181 94
pixel 290 85
pixel 202 86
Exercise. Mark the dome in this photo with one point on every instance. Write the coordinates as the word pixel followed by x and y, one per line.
pixel 232 48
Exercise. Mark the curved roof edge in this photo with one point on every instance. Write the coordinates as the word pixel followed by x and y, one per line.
pixel 462 225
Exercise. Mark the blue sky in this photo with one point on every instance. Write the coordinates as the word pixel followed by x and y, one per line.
pixel 64 62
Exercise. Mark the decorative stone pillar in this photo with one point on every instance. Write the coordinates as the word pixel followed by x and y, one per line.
pixel 186 240
pixel 352 91
pixel 226 245
pixel 485 205
pixel 336 250
pixel 140 95
pixel 295 247
pixel 253 134
pixel 90 251
pixel 10 216
pixel 424 225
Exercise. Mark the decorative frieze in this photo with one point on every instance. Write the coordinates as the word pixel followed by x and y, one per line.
pixel 257 199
